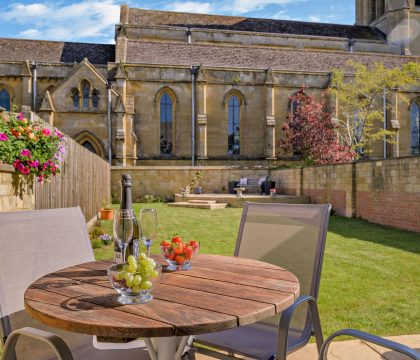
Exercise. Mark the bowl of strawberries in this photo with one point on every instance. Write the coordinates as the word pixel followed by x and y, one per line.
pixel 179 254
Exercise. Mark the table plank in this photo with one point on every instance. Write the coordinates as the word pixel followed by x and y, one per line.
pixel 275 297
pixel 239 261
pixel 77 315
pixel 194 320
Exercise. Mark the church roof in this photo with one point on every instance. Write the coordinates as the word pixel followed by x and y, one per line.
pixel 143 17
pixel 55 51
pixel 252 57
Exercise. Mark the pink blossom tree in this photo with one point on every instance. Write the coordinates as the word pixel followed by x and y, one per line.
pixel 311 132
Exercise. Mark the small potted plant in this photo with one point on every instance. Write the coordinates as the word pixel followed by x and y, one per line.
pixel 107 212
pixel 195 183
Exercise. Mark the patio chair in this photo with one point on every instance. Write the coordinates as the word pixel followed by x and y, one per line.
pixel 291 236
pixel 388 344
pixel 33 244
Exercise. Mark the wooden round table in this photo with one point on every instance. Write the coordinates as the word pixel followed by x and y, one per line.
pixel 219 293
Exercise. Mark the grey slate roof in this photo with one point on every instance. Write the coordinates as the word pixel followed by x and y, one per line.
pixel 151 17
pixel 55 51
pixel 252 57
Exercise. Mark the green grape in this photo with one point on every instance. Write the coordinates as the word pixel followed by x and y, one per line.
pixel 128 279
pixel 152 262
pixel 145 285
pixel 144 261
pixel 135 289
pixel 148 268
pixel 137 280
pixel 154 274
pixel 125 267
pixel 120 275
pixel 132 267
pixel 132 260
pixel 142 256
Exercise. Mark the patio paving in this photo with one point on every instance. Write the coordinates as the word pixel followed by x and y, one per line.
pixel 351 350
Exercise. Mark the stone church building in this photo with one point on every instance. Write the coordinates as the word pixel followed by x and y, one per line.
pixel 178 86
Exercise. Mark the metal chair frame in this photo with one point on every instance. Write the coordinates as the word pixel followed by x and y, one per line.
pixel 391 345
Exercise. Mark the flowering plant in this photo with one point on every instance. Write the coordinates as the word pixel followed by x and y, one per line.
pixel 106 238
pixel 31 147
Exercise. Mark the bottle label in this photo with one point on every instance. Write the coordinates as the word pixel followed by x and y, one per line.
pixel 117 257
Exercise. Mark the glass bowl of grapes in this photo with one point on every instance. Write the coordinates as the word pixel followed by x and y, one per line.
pixel 179 254
pixel 135 279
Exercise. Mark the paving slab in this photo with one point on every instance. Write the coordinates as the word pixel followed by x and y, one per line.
pixel 351 350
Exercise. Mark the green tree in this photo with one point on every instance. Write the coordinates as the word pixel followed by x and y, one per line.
pixel 360 100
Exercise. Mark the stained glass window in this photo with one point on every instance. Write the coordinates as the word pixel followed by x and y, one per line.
pixel 166 115
pixel 234 126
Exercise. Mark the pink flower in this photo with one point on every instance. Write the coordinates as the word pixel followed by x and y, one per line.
pixel 25 153
pixel 20 116
pixel 40 178
pixel 46 132
pixel 25 170
pixel 3 137
pixel 18 165
pixel 34 163
pixel 58 133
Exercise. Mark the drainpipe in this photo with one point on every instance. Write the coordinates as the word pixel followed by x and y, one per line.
pixel 194 71
pixel 351 45
pixel 108 88
pixel 385 116
pixel 34 84
pixel 189 35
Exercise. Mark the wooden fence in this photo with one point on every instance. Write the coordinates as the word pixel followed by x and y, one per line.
pixel 85 181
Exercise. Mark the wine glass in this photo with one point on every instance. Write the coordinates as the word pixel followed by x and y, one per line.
pixel 148 227
pixel 123 229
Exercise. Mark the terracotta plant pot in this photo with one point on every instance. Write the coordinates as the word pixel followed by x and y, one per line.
pixel 107 214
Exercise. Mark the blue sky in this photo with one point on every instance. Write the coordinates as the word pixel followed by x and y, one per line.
pixel 94 20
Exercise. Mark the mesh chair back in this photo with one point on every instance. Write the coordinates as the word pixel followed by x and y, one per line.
pixel 33 244
pixel 293 237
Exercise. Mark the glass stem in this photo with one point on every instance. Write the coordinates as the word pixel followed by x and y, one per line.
pixel 123 250
pixel 148 250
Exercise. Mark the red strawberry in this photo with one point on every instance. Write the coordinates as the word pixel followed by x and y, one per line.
pixel 188 252
pixel 170 256
pixel 178 249
pixel 194 243
pixel 165 244
pixel 180 259
pixel 176 239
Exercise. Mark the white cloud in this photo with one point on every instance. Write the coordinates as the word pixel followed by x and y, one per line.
pixel 244 6
pixel 191 7
pixel 83 20
pixel 314 18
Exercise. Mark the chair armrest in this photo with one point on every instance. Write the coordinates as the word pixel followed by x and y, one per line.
pixel 391 345
pixel 284 325
pixel 55 342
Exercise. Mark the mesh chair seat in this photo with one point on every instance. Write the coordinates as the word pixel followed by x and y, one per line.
pixel 44 241
pixel 257 341
pixel 291 236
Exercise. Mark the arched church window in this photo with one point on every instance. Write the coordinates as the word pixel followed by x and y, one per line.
pixel 95 98
pixel 88 145
pixel 76 98
pixel 234 126
pixel 86 93
pixel 415 128
pixel 5 99
pixel 166 120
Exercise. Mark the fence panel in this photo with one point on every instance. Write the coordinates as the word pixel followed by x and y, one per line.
pixel 85 181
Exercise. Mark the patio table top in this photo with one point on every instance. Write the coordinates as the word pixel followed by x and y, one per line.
pixel 218 293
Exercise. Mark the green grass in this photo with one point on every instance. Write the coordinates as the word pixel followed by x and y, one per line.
pixel 371 274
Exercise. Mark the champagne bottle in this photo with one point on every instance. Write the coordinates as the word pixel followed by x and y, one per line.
pixel 127 204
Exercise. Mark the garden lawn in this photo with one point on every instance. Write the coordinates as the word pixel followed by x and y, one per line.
pixel 371 274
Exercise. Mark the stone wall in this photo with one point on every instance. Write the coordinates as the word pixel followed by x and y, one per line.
pixel 13 197
pixel 168 180
pixel 381 191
